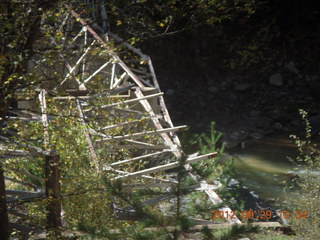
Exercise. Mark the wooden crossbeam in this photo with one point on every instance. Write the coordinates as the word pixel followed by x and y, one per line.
pixel 87 135
pixel 124 123
pixel 123 77
pixel 146 105
pixel 24 193
pixel 97 71
pixel 14 152
pixel 132 100
pixel 111 52
pixel 148 185
pixel 169 165
pixel 141 134
pixel 78 62
pixel 140 157
pixel 23 183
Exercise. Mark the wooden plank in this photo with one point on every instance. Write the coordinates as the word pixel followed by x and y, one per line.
pixel 128 45
pixel 78 62
pixel 108 168
pixel 87 135
pixel 97 71
pixel 146 105
pixel 77 36
pixel 124 123
pixel 124 76
pixel 169 165
pixel 131 144
pixel 113 74
pixel 217 201
pixel 140 134
pixel 140 157
pixel 162 103
pixel 14 152
pixel 24 193
pixel 132 100
pixel 148 185
pixel 111 52
pixel 44 116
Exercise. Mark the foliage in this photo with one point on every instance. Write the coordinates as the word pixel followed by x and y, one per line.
pixel 306 197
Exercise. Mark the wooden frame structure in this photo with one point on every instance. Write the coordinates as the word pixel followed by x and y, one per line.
pixel 120 88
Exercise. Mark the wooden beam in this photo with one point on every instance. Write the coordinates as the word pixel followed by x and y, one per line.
pixel 111 52
pixel 44 116
pixel 78 62
pixel 169 165
pixel 97 71
pixel 217 201
pixel 140 157
pixel 124 123
pixel 140 134
pixel 24 193
pixel 146 105
pixel 132 100
pixel 53 208
pixel 87 135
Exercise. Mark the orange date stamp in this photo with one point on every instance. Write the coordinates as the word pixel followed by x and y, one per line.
pixel 260 214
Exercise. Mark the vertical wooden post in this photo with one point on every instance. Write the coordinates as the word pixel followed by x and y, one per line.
pixel 4 222
pixel 52 172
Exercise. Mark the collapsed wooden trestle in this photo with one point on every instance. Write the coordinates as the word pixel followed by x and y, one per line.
pixel 122 90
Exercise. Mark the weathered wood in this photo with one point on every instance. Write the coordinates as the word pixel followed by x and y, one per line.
pixel 91 147
pixel 169 165
pixel 108 168
pixel 124 123
pixel 14 152
pixel 97 71
pixel 52 173
pixel 146 105
pixel 113 73
pixel 148 185
pixel 162 103
pixel 77 63
pixel 24 193
pixel 217 201
pixel 35 187
pixel 124 76
pixel 141 134
pixel 132 100
pixel 140 157
pixel 77 36
pixel 128 45
pixel 111 52
pixel 44 117
pixel 141 72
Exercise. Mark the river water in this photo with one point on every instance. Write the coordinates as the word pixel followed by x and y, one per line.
pixel 264 166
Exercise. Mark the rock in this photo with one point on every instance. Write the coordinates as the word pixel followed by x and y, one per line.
pixel 291 67
pixel 276 80
pixel 241 87
pixel 278 126
pixel 239 135
pixel 170 92
pixel 255 114
pixel 213 90
pixel 256 135
pixel 279 116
